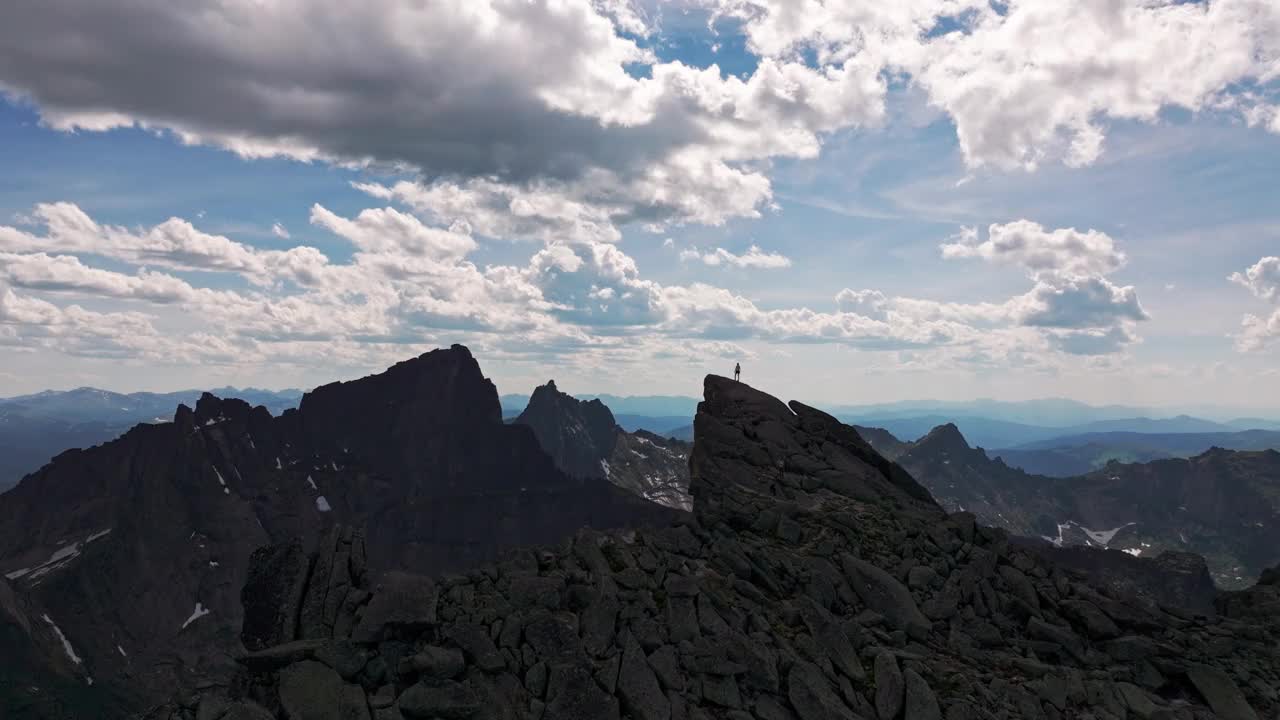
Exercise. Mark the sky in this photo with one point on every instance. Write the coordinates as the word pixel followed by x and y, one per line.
pixel 858 201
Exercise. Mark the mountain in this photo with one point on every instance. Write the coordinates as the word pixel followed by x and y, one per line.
pixel 1079 454
pixel 34 428
pixel 992 433
pixel 584 440
pixel 1222 504
pixel 814 580
pixel 649 406
pixel 660 425
pixel 137 549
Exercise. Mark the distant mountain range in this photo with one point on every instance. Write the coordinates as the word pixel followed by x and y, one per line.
pixel 1222 504
pixel 34 428
pixel 650 406
pixel 987 432
pixel 1079 454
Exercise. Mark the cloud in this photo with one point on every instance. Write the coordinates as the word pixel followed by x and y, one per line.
pixel 1262 278
pixel 754 257
pixel 531 107
pixel 279 231
pixel 1034 81
pixel 1064 251
pixel 65 273
pixel 408 282
pixel 387 230
pixel 1258 332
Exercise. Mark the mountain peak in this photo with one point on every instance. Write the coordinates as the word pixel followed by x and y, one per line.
pixel 577 434
pixel 944 438
pixel 753 452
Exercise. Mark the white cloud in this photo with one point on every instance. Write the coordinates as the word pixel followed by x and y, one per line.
pixel 1064 251
pixel 754 257
pixel 39 271
pixel 279 231
pixel 1258 332
pixel 1262 278
pixel 1034 81
pixel 387 230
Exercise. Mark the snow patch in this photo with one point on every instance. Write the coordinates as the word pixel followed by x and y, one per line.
pixel 66 644
pixel 196 614
pixel 278 465
pixel 1103 537
pixel 322 505
pixel 334 464
pixel 1136 552
pixel 60 557
pixel 221 482
pixel 213 563
pixel 604 465
pixel 122 652
pixel 312 483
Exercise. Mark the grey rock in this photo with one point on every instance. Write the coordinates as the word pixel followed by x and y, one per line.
pixel 889 686
pixel 447 701
pixel 312 691
pixel 811 695
pixel 1221 692
pixel 476 645
pixel 437 663
pixel 402 601
pixel 885 595
pixel 642 698
pixel 572 694
pixel 920 702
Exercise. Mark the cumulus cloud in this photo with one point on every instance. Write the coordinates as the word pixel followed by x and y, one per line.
pixel 39 271
pixel 408 281
pixel 1034 81
pixel 527 107
pixel 1262 278
pixel 754 257
pixel 1041 252
pixel 280 231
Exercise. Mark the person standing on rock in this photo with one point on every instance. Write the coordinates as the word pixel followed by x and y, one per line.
pixel 737 371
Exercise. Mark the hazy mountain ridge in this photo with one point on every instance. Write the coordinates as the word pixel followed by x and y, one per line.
pixel 1222 504
pixel 1080 454
pixel 36 427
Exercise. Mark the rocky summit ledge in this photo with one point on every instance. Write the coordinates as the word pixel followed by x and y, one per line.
pixel 815 580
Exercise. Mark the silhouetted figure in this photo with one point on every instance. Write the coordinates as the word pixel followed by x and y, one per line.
pixel 737 371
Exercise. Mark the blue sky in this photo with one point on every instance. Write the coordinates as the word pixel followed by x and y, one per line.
pixel 630 195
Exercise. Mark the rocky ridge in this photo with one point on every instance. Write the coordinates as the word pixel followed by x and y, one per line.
pixel 138 549
pixel 815 579
pixel 584 440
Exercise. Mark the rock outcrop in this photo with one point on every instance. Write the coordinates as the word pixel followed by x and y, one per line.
pixel 815 579
pixel 139 548
pixel 583 439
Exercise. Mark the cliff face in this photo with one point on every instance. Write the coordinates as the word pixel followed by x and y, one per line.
pixel 138 549
pixel 815 579
pixel 584 441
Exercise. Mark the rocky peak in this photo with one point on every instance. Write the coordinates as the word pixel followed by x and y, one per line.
pixel 942 439
pixel 753 452
pixel 578 435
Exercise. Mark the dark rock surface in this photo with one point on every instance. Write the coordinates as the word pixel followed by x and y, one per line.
pixel 751 609
pixel 584 441
pixel 139 549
